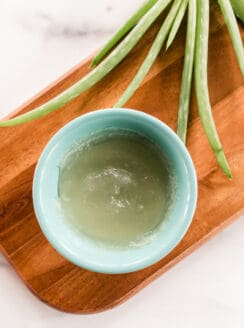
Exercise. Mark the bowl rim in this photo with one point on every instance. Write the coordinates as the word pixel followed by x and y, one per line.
pixel 81 261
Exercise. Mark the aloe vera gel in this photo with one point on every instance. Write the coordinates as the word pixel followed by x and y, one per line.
pixel 116 188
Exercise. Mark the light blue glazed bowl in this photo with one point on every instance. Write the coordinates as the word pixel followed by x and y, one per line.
pixel 87 253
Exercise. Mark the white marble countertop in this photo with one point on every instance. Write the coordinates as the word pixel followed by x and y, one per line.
pixel 40 40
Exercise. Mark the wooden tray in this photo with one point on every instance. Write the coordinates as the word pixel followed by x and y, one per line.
pixel 60 283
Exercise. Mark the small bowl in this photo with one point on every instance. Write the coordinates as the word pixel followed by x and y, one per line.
pixel 86 253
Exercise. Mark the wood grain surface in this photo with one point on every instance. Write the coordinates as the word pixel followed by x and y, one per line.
pixel 52 278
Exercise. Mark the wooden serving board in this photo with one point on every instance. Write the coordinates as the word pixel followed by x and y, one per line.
pixel 52 278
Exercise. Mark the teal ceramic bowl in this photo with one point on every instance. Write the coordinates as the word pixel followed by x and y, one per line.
pixel 87 253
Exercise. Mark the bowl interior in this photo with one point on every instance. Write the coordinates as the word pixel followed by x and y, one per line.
pixel 85 252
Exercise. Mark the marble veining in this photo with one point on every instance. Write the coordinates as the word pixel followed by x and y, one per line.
pixel 53 28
